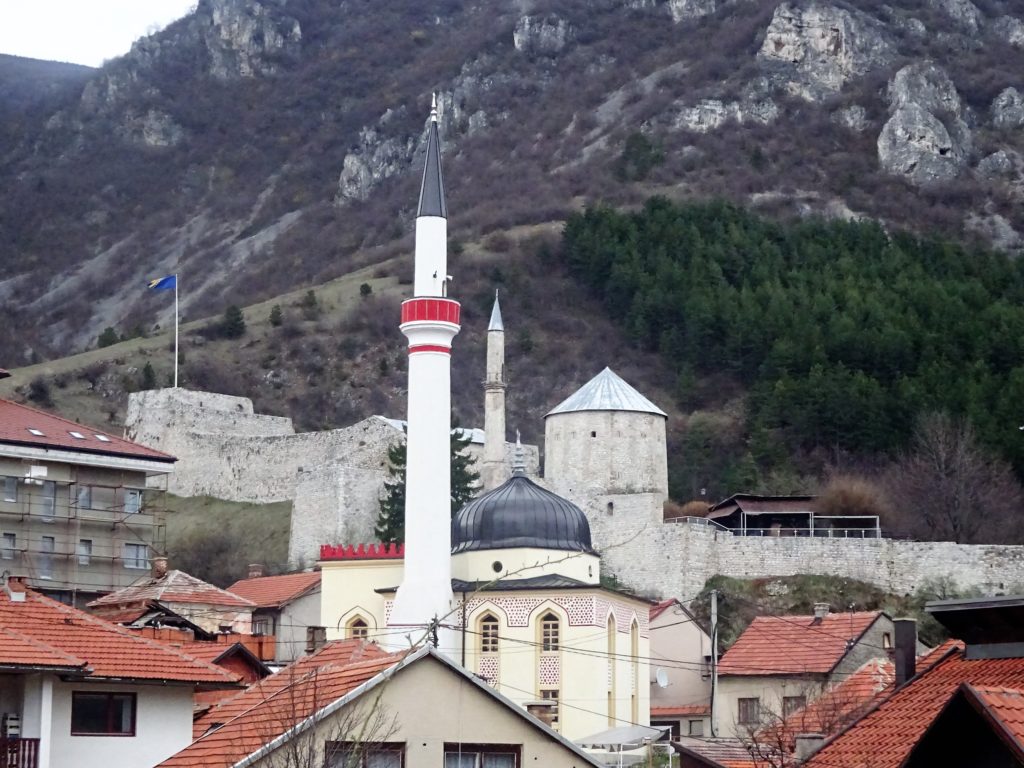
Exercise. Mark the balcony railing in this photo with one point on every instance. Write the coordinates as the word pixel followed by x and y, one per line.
pixel 821 532
pixel 19 753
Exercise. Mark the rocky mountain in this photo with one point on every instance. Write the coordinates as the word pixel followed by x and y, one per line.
pixel 256 146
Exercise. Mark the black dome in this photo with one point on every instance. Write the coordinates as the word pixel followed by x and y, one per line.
pixel 520 514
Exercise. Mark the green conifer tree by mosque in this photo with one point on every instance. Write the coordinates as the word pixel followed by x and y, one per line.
pixel 391 520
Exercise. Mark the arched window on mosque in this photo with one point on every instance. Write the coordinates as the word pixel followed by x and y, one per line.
pixel 634 651
pixel 358 629
pixel 611 669
pixel 488 633
pixel 550 632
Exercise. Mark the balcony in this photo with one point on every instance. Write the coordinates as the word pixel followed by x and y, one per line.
pixel 19 753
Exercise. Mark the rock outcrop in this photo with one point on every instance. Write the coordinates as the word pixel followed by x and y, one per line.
pixel 925 140
pixel 710 114
pixel 854 118
pixel 813 49
pixel 243 37
pixel 690 9
pixel 152 128
pixel 1010 29
pixel 963 12
pixel 1008 109
pixel 545 35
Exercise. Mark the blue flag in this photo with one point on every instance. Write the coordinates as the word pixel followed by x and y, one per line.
pixel 164 283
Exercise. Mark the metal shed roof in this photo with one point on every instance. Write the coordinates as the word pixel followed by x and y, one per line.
pixel 606 392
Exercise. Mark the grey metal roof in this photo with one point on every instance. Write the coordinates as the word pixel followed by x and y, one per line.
pixel 496 324
pixel 432 189
pixel 606 392
pixel 547 581
pixel 519 513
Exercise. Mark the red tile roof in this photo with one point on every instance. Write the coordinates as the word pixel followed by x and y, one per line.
pixel 173 587
pixel 660 608
pixel 16 420
pixel 779 645
pixel 275 591
pixel 727 753
pixel 885 735
pixel 1004 708
pixel 270 707
pixel 690 710
pixel 43 632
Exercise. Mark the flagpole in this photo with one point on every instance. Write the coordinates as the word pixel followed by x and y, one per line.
pixel 175 331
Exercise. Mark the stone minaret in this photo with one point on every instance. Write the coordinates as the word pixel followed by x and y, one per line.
pixel 430 321
pixel 494 471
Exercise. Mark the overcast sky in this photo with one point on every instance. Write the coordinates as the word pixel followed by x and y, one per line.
pixel 81 31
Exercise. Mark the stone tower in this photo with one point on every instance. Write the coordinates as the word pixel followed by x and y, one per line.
pixel 494 470
pixel 430 321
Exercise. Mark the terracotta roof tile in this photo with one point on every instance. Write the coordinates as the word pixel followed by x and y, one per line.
pixel 172 587
pixel 776 645
pixel 275 591
pixel 270 707
pixel 16 420
pixel 728 753
pixel 885 735
pixel 660 608
pixel 1004 707
pixel 41 631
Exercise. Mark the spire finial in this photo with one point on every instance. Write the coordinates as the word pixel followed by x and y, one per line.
pixel 519 465
pixel 433 107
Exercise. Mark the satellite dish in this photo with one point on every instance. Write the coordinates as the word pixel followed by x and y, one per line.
pixel 661 677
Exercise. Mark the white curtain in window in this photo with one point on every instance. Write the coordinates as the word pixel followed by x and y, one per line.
pixel 465 760
pixel 383 760
pixel 499 761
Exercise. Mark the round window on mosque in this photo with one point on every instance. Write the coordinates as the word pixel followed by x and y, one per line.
pixel 496 566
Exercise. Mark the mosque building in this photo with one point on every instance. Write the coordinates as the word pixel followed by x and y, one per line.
pixel 511 587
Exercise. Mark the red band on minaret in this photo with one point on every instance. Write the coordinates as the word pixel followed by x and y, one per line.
pixel 431 309
pixel 429 348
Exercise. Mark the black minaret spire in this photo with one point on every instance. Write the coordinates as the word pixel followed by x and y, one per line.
pixel 432 189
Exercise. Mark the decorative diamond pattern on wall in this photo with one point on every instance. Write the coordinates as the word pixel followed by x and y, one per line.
pixel 549 672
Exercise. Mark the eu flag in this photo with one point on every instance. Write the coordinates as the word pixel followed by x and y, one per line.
pixel 163 283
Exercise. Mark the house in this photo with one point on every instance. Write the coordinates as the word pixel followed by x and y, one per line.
pixel 285 606
pixel 354 704
pixel 781 663
pixel 680 670
pixel 79 692
pixel 748 514
pixel 211 608
pixel 960 705
pixel 79 507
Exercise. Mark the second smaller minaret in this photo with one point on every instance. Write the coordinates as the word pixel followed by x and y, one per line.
pixel 494 470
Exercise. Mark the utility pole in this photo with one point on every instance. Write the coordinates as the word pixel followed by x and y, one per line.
pixel 714 663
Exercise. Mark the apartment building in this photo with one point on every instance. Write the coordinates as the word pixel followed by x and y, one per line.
pixel 80 509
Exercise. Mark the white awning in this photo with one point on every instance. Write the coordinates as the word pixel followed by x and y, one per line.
pixel 623 737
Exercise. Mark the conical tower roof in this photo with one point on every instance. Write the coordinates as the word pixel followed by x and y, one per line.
pixel 496 323
pixel 432 189
pixel 606 392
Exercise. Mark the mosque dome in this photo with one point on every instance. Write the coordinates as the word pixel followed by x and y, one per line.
pixel 520 513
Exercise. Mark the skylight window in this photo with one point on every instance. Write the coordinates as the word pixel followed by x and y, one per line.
pixel 35 432
pixel 77 435
pixel 103 438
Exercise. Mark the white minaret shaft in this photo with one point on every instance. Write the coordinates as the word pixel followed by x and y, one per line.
pixel 430 321
pixel 494 471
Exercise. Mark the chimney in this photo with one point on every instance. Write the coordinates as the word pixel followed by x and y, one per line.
pixel 807 744
pixel 542 710
pixel 315 638
pixel 905 649
pixel 159 567
pixel 255 570
pixel 820 611
pixel 15 587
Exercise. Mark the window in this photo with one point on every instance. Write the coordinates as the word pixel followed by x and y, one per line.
pixel 34 431
pixel 136 556
pixel 47 546
pixel 696 728
pixel 84 551
pixel 103 438
pixel 263 625
pixel 49 499
pixel 887 641
pixel 132 501
pixel 549 632
pixel 481 755
pixel 102 714
pixel 8 546
pixel 85 497
pixel 10 489
pixel 551 694
pixel 611 669
pixel 358 628
pixel 634 650
pixel 793 704
pixel 350 755
pixel 749 711
pixel 489 634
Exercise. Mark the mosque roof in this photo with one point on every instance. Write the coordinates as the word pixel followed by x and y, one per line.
pixel 519 513
pixel 606 392
pixel 496 324
pixel 432 190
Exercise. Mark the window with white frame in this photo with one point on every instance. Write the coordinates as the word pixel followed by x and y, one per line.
pixel 132 501
pixel 49 500
pixel 102 714
pixel 550 632
pixel 85 497
pixel 488 633
pixel 481 755
pixel 351 755
pixel 84 551
pixel 358 629
pixel 10 489
pixel 8 546
pixel 136 556
pixel 47 546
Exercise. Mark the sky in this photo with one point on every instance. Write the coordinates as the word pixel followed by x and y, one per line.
pixel 82 31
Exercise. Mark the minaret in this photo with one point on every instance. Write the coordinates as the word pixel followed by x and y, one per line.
pixel 430 321
pixel 494 470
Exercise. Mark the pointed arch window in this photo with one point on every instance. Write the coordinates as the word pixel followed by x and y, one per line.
pixel 611 669
pixel 358 629
pixel 550 632
pixel 634 650
pixel 489 633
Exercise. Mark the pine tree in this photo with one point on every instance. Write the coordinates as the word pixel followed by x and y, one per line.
pixel 276 318
pixel 148 376
pixel 391 520
pixel 233 326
